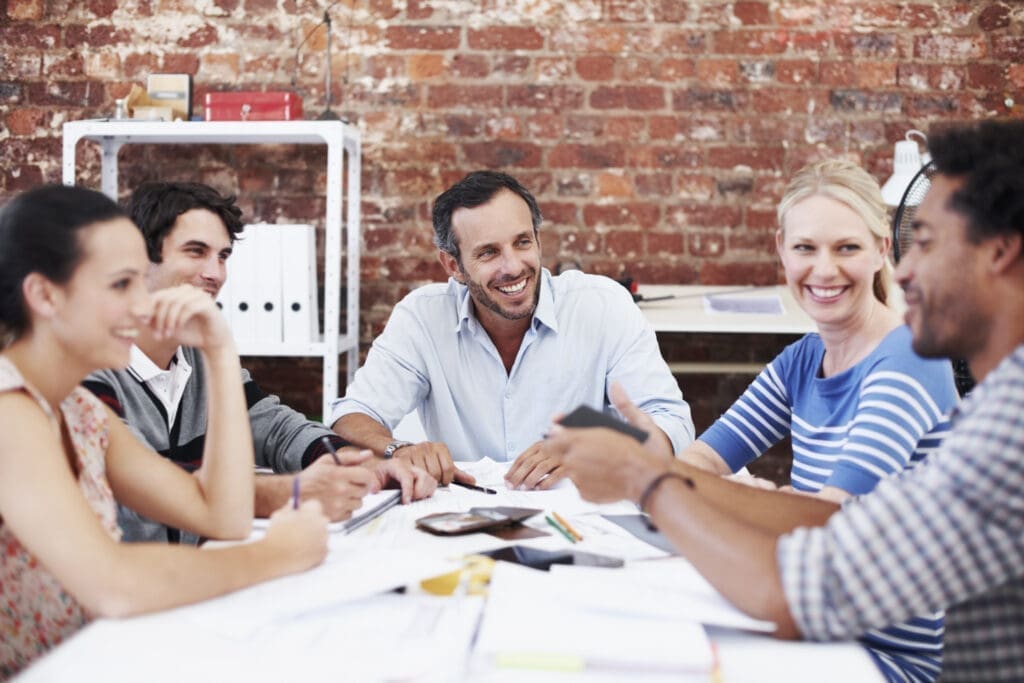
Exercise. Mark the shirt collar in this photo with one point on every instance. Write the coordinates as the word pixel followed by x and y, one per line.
pixel 143 367
pixel 544 314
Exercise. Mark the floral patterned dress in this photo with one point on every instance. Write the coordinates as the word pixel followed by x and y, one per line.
pixel 36 612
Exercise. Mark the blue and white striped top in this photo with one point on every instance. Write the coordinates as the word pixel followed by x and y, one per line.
pixel 850 431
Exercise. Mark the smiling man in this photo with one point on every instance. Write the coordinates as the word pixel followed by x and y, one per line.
pixel 189 229
pixel 948 534
pixel 490 357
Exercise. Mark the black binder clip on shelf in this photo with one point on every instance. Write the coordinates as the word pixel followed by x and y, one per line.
pixel 631 285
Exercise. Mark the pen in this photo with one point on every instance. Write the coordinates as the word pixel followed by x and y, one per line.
pixel 330 449
pixel 568 527
pixel 295 493
pixel 482 489
pixel 570 537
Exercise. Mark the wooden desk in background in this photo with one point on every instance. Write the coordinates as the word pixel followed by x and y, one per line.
pixel 686 314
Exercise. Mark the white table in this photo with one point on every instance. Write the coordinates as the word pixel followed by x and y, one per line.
pixel 686 314
pixel 319 636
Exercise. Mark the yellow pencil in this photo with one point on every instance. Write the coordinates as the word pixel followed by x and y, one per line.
pixel 568 527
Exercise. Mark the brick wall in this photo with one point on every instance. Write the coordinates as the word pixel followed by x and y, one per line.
pixel 657 134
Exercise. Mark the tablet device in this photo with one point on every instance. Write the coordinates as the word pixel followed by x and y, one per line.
pixel 543 559
pixel 585 416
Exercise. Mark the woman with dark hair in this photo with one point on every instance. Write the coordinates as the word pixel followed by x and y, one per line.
pixel 72 299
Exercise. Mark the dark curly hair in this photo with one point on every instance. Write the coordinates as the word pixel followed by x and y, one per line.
pixel 989 158
pixel 154 207
pixel 476 189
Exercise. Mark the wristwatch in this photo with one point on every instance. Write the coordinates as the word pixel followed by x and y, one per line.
pixel 394 446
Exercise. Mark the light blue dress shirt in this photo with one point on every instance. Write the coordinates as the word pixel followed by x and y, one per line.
pixel 435 357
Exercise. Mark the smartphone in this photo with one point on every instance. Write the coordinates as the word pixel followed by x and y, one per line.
pixel 543 559
pixel 585 416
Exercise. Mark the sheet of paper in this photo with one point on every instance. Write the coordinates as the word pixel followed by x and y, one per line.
pixel 656 588
pixel 528 623
pixel 762 305
pixel 373 504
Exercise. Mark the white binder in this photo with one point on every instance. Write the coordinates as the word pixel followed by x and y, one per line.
pixel 267 244
pixel 242 281
pixel 298 283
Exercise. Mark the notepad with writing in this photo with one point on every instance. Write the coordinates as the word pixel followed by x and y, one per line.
pixel 374 505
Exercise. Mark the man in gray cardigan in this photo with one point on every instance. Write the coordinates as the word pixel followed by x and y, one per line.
pixel 189 230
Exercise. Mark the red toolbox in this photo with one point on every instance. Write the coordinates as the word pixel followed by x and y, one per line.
pixel 252 106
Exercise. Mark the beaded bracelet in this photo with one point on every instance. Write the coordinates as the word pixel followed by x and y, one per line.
pixel 657 481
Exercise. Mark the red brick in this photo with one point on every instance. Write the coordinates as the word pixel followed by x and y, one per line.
pixel 93 37
pixel 695 186
pixel 553 69
pixel 641 215
pixel 751 242
pixel 986 76
pixel 546 97
pixel 957 15
pixel 474 96
pixel 45 37
pixel 138 66
pixel 505 38
pixel 866 45
pixel 653 184
pixel 763 221
pixel 634 69
pixel 701 99
pixel 419 9
pixel 504 127
pixel 575 185
pixel 912 76
pixel 614 185
pixel 511 65
pixel 503 154
pixel 919 16
pixel 660 243
pixel 1015 76
pixel 385 9
pixel 75 94
pixel 595 67
pixel 255 179
pixel 628 128
pixel 215 68
pixel 718 73
pixel 777 100
pixel 1008 47
pixel 545 126
pixel 674 69
pixel 628 11
pixel 705 244
pixel 425 66
pixel 702 215
pixel 955 48
pixel 411 268
pixel 560 213
pixel 423 37
pixel 23 177
pixel 669 11
pixel 21 67
pixel 25 120
pixel 993 17
pixel 586 156
pixel 188 63
pixel 739 273
pixel 623 243
pixel 201 37
pixel 62 65
pixel 684 42
pixel 810 42
pixel 929 105
pixel 945 77
pixel 752 13
pixel 750 42
pixel 409 152
pixel 470 66
pixel 582 38
pixel 24 10
pixel 860 100
pixel 662 157
pixel 796 71
pixel 758 158
pixel 632 97
pixel 385 66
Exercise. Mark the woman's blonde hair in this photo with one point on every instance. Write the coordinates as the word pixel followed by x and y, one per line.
pixel 848 183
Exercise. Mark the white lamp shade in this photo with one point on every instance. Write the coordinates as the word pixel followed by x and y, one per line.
pixel 905 165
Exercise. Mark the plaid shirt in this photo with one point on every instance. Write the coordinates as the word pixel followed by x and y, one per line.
pixel 948 533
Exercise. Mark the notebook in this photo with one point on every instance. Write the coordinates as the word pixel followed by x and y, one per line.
pixel 374 505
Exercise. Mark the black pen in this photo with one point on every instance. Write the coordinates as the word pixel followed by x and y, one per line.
pixel 482 489
pixel 330 449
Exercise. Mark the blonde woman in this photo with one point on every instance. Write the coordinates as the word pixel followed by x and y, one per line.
pixel 72 300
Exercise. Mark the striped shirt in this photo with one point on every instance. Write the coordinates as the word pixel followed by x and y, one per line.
pixel 850 431
pixel 949 533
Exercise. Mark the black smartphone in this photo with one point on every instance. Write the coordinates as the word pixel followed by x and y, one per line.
pixel 585 416
pixel 543 559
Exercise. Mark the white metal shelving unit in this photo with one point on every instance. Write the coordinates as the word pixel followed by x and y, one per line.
pixel 343 156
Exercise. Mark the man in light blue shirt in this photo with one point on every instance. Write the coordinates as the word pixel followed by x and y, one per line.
pixel 488 358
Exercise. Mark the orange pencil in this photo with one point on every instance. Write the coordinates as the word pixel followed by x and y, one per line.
pixel 568 527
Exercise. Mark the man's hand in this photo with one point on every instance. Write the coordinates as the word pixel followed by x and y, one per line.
pixel 657 442
pixel 414 482
pixel 535 468
pixel 340 489
pixel 433 456
pixel 606 466
pixel 190 316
